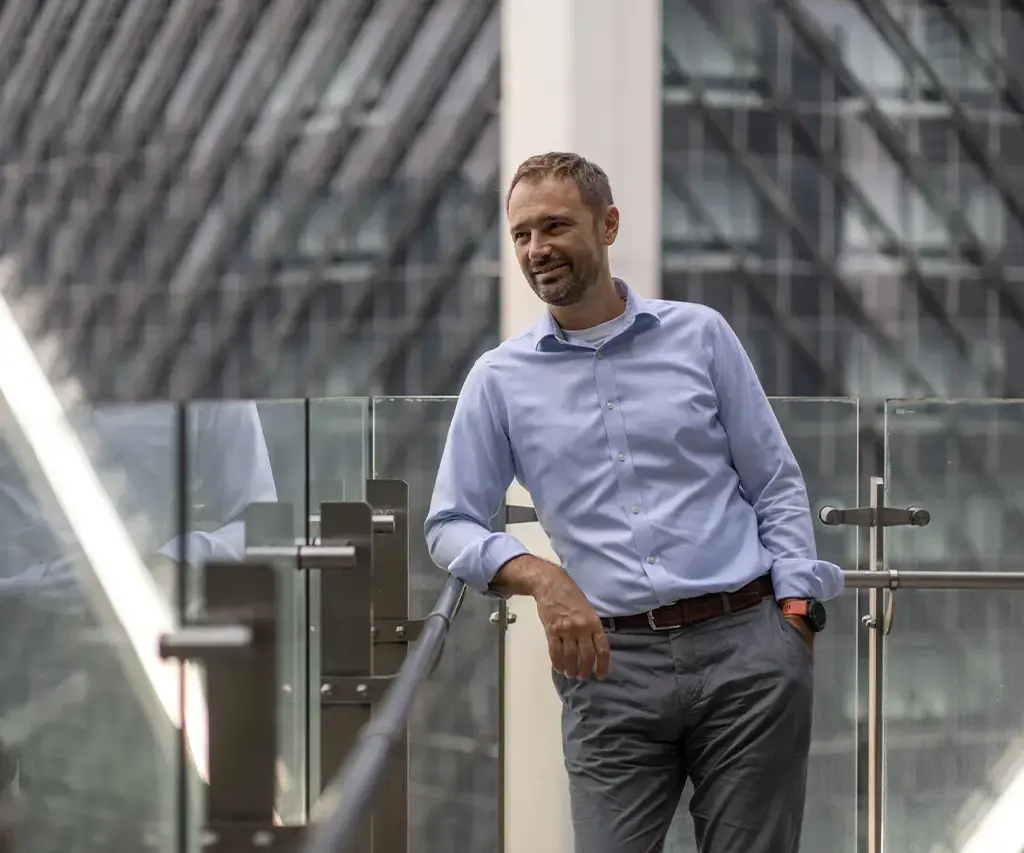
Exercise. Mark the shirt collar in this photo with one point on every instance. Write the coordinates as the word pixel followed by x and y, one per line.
pixel 640 313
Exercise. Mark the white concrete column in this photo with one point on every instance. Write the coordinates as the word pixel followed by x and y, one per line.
pixel 583 76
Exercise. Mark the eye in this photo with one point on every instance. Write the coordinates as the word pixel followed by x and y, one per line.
pixel 519 236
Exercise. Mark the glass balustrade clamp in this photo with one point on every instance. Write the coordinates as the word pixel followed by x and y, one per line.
pixel 382 522
pixel 306 556
pixel 877 517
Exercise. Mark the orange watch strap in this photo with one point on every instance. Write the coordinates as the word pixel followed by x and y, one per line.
pixel 795 607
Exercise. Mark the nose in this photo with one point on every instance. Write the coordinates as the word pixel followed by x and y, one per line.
pixel 539 249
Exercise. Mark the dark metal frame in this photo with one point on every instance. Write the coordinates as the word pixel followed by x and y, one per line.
pixel 362 555
pixel 236 640
pixel 348 799
pixel 363 558
pixel 969 246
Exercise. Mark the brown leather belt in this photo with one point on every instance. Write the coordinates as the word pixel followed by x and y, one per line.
pixel 689 611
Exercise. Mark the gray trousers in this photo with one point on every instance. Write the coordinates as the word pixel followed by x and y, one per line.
pixel 726 704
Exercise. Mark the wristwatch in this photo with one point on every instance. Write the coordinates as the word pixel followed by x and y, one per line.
pixel 810 610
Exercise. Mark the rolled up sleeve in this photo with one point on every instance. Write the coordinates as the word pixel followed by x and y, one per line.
pixel 474 475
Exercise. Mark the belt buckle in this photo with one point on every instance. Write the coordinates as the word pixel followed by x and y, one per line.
pixel 654 627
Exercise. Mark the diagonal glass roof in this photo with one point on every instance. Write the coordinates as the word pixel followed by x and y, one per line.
pixel 170 167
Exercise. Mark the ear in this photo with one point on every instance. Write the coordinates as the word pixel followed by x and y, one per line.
pixel 611 225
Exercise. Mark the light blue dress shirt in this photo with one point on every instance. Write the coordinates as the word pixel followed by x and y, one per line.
pixel 656 464
pixel 133 449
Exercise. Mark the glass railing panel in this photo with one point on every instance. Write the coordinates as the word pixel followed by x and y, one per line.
pixel 954 683
pixel 823 434
pixel 453 765
pixel 279 520
pixel 88 711
pixel 338 432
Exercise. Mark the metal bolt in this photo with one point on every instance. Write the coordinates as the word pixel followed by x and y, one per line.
pixel 262 839
pixel 868 621
pixel 286 688
pixel 373 630
pixel 400 630
pixel 362 689
pixel 207 838
pixel 511 619
pixel 495 616
pixel 326 690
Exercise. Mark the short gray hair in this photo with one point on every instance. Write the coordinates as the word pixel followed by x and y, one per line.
pixel 589 178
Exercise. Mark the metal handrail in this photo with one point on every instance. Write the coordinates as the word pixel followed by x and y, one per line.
pixel 339 813
pixel 342 808
pixel 910 579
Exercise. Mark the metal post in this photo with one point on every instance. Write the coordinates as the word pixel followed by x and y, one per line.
pixel 879 621
pixel 236 640
pixel 347 688
pixel 876 661
pixel 392 632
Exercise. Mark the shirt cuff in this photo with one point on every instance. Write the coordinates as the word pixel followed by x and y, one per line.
pixel 477 568
pixel 801 578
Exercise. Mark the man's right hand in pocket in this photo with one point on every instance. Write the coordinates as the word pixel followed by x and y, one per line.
pixel 577 643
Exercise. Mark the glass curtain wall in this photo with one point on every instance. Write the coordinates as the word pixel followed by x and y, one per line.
pixel 843 181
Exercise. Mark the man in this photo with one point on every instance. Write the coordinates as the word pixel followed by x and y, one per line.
pixel 681 620
pixel 95 771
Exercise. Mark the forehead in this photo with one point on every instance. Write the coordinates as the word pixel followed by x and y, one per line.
pixel 532 202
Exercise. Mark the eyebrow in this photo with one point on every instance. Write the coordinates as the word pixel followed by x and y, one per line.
pixel 542 220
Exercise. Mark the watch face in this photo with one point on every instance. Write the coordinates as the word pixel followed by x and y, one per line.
pixel 816 615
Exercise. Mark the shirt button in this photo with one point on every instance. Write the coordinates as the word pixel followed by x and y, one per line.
pixel 636 510
pixel 622 457
pixel 610 404
pixel 600 355
pixel 652 559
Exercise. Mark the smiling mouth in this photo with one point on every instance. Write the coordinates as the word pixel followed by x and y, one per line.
pixel 549 270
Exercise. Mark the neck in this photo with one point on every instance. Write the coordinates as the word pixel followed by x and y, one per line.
pixel 601 304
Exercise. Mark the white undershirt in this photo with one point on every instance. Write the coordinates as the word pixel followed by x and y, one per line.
pixel 597 335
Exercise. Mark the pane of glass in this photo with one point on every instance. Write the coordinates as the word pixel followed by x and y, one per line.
pixel 954 687
pixel 339 430
pixel 283 425
pixel 719 44
pixel 824 436
pixel 88 711
pixel 453 763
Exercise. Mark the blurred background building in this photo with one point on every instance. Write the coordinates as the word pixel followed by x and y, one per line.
pixel 290 198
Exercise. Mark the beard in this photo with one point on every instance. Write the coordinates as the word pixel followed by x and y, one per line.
pixel 566 285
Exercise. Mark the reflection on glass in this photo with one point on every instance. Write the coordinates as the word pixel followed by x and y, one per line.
pixel 87 711
pixel 453 733
pixel 338 468
pixel 823 434
pixel 954 688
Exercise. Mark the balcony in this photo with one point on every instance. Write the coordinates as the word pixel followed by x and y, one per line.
pixel 939 698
